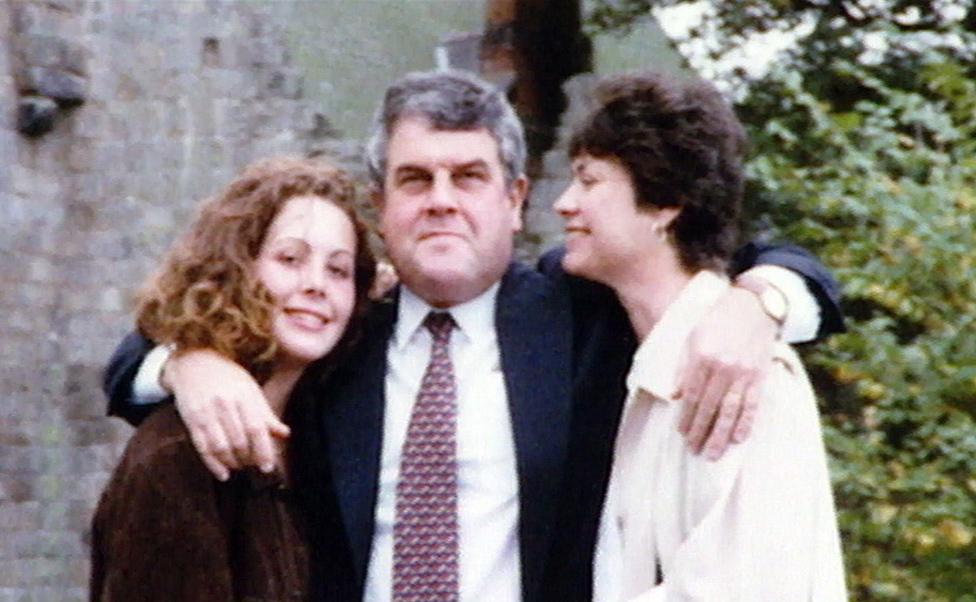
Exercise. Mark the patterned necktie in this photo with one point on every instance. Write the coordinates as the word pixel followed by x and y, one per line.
pixel 425 532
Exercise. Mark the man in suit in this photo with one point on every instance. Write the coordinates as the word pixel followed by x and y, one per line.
pixel 537 363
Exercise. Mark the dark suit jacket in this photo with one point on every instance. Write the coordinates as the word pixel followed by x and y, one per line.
pixel 565 349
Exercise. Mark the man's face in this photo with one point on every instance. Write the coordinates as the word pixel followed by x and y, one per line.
pixel 446 215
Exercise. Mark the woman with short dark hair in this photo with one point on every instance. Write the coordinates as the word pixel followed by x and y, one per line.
pixel 651 212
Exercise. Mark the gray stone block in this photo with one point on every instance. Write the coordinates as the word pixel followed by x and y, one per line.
pixel 22 461
pixel 15 489
pixel 144 122
pixel 128 88
pixel 39 50
pixel 88 486
pixel 103 75
pixel 179 55
pixel 75 57
pixel 25 320
pixel 36 115
pixel 83 461
pixel 66 515
pixel 64 5
pixel 36 295
pixel 25 516
pixel 81 159
pixel 66 88
pixel 25 409
pixel 284 84
pixel 113 300
pixel 41 188
pixel 8 118
pixel 47 50
pixel 89 121
pixel 90 186
pixel 173 121
pixel 24 17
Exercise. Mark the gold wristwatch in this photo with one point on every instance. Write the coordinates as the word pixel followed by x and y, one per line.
pixel 772 300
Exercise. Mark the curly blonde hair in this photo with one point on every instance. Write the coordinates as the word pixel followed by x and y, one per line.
pixel 206 296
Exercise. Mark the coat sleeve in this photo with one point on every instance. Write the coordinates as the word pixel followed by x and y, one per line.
pixel 821 282
pixel 119 375
pixel 157 534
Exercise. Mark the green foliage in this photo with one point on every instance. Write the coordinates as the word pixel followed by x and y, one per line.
pixel 870 161
pixel 884 192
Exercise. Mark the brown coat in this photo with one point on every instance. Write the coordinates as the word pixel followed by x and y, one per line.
pixel 165 529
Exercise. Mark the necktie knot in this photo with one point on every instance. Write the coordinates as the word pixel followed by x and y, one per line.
pixel 440 324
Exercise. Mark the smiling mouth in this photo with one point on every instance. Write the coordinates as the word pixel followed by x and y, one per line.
pixel 307 318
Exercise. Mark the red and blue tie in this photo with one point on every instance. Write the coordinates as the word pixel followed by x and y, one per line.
pixel 425 531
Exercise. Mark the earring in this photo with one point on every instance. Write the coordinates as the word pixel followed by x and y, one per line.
pixel 659 232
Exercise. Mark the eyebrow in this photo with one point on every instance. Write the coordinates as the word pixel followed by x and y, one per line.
pixel 303 243
pixel 477 163
pixel 290 237
pixel 409 167
pixel 474 163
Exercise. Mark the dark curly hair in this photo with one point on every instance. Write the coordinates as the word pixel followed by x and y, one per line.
pixel 206 296
pixel 683 147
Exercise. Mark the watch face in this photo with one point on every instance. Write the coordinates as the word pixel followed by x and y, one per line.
pixel 775 304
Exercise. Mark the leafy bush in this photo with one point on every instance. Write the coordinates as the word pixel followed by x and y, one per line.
pixel 873 190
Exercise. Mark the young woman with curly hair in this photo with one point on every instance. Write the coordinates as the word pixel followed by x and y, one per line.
pixel 652 212
pixel 271 274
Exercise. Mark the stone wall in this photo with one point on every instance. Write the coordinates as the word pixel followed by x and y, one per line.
pixel 116 117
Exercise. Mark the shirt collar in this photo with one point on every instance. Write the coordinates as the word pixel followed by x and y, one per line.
pixel 474 318
pixel 662 353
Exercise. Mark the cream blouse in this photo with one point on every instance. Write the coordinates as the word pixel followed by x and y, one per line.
pixel 756 525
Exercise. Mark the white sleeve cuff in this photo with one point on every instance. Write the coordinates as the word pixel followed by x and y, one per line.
pixel 146 387
pixel 803 318
pixel 658 593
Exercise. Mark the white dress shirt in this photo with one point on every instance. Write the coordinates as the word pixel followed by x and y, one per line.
pixel 758 524
pixel 803 315
pixel 488 507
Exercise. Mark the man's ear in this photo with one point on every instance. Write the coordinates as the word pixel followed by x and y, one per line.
pixel 517 194
pixel 376 196
pixel 378 200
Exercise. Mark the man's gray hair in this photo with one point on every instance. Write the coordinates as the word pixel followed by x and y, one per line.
pixel 448 100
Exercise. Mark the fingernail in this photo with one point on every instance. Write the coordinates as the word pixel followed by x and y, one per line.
pixel 267 468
